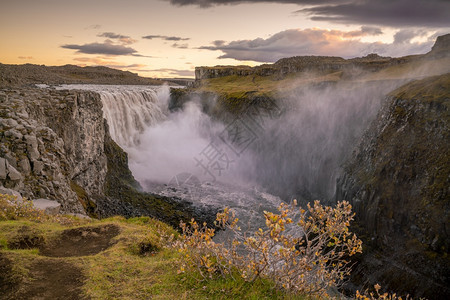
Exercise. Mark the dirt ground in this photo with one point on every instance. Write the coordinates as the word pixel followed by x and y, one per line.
pixel 49 275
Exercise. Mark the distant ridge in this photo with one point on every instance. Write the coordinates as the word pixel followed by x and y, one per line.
pixel 18 75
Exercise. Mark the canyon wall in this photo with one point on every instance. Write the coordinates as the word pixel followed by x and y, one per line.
pixel 398 183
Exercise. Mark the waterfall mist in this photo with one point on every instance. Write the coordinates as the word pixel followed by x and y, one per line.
pixel 299 154
pixel 169 147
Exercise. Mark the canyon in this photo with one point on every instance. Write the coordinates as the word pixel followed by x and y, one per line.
pixel 372 130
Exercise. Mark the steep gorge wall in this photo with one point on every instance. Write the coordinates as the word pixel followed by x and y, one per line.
pixel 398 183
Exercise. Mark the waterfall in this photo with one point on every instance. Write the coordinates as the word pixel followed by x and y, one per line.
pixel 163 145
pixel 129 112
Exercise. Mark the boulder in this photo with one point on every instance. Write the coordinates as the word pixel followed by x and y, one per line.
pixel 24 166
pixel 13 174
pixel 50 207
pixel 38 166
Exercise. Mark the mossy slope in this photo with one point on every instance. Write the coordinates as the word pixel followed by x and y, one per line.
pixel 137 264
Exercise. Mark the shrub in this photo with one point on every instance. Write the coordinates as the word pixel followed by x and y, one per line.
pixel 12 209
pixel 378 296
pixel 308 261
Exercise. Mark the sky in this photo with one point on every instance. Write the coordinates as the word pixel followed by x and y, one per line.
pixel 169 38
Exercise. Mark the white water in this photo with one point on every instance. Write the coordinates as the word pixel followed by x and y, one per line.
pixel 160 144
pixel 129 110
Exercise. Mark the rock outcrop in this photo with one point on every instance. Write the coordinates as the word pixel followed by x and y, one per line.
pixel 56 145
pixel 442 46
pixel 51 140
pixel 317 64
pixel 398 183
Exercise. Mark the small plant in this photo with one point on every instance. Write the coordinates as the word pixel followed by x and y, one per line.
pixel 201 253
pixel 308 261
pixel 12 209
pixel 378 296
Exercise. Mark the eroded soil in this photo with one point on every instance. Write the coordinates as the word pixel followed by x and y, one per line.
pixel 49 276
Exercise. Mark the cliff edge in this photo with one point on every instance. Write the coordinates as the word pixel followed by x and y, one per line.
pixel 398 182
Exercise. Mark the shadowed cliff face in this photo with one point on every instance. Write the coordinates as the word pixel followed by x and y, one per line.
pixel 398 183
pixel 51 141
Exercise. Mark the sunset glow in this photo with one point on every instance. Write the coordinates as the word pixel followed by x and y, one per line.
pixel 163 38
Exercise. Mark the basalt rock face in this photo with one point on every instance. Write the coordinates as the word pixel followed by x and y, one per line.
pixel 442 46
pixel 54 141
pixel 398 183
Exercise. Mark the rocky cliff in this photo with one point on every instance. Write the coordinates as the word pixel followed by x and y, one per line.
pixel 50 141
pixel 398 182
pixel 56 145
pixel 320 64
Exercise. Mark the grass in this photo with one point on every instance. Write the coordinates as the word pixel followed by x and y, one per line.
pixel 235 85
pixel 128 269
pixel 230 86
pixel 436 88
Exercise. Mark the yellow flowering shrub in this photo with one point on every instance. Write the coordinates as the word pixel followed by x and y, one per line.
pixel 308 260
pixel 12 209
pixel 377 295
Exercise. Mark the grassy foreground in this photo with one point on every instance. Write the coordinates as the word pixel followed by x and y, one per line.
pixel 115 258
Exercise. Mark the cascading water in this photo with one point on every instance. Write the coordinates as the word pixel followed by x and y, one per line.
pixel 128 113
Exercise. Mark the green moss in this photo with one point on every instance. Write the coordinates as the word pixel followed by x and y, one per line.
pixel 435 88
pixel 83 197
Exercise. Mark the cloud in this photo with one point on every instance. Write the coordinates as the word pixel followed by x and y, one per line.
pixel 100 61
pixel 94 26
pixel 95 60
pixel 396 13
pixel 106 48
pixel 365 31
pixel 124 39
pixel 25 57
pixel 209 3
pixel 180 46
pixel 406 35
pixel 323 42
pixel 134 67
pixel 165 37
